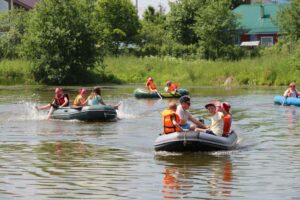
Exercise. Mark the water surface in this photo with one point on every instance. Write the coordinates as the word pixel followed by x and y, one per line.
pixel 54 159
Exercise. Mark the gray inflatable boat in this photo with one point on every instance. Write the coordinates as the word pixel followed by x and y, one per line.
pixel 192 141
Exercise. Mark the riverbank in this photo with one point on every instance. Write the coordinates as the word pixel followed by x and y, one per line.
pixel 263 71
pixel 267 70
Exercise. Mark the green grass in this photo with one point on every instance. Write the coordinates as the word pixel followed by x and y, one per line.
pixel 268 70
pixel 15 72
pixel 265 70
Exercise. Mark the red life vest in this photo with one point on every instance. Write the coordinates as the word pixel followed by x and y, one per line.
pixel 61 100
pixel 227 124
pixel 167 116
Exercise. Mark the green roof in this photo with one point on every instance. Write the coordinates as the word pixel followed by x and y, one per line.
pixel 251 20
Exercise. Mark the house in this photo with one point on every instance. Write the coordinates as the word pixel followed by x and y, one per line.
pixel 258 24
pixel 26 4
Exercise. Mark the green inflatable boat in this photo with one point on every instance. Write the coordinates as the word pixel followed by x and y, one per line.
pixel 86 113
pixel 141 93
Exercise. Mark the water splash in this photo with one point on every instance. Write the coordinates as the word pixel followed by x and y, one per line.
pixel 25 110
pixel 124 112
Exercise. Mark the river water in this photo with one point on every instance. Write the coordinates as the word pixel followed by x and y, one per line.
pixel 54 159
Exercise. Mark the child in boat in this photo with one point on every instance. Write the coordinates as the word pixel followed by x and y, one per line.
pixel 80 99
pixel 150 86
pixel 217 123
pixel 225 108
pixel 60 100
pixel 291 91
pixel 171 87
pixel 170 119
pixel 95 98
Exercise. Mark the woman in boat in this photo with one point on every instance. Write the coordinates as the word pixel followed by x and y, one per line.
pixel 96 99
pixel 150 86
pixel 60 100
pixel 291 91
pixel 170 119
pixel 80 99
pixel 171 87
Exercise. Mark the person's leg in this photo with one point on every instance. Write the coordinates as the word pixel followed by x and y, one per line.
pixel 46 107
pixel 50 112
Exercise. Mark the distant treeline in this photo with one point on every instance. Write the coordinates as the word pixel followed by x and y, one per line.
pixel 64 42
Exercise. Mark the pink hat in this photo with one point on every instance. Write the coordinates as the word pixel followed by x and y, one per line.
pixel 168 83
pixel 58 90
pixel 82 91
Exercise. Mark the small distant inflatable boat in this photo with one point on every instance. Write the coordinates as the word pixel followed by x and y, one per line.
pixel 141 93
pixel 192 141
pixel 289 101
pixel 86 113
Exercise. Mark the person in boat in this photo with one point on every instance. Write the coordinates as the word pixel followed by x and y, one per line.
pixel 80 99
pixel 227 119
pixel 217 121
pixel 150 86
pixel 171 87
pixel 170 119
pixel 185 115
pixel 96 99
pixel 291 91
pixel 60 100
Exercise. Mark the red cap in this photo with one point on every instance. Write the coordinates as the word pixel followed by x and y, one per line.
pixel 226 106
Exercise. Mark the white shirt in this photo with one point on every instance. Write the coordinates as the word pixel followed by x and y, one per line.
pixel 217 123
pixel 184 115
pixel 293 93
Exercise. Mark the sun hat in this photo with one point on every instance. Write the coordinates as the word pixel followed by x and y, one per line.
pixel 212 103
pixel 82 91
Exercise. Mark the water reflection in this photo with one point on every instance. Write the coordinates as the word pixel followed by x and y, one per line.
pixel 291 117
pixel 184 174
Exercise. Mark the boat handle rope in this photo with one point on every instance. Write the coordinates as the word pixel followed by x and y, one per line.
pixel 184 138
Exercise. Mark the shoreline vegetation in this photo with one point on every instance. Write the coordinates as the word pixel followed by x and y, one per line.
pixel 267 70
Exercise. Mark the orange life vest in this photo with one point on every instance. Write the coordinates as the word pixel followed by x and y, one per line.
pixel 151 84
pixel 227 124
pixel 172 87
pixel 167 116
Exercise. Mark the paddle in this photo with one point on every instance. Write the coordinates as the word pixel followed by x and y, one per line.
pixel 284 99
pixel 158 94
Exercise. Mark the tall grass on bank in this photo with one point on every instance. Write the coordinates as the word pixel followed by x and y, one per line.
pixel 265 70
pixel 15 72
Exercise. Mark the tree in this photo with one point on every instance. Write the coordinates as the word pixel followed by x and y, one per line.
pixel 12 24
pixel 289 21
pixel 216 25
pixel 61 41
pixel 121 22
pixel 153 32
pixel 182 19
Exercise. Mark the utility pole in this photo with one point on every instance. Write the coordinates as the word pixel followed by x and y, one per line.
pixel 137 5
pixel 11 4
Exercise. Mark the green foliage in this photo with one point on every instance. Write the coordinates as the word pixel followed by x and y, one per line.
pixel 13 25
pixel 120 21
pixel 61 41
pixel 182 20
pixel 15 72
pixel 153 33
pixel 289 21
pixel 217 27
